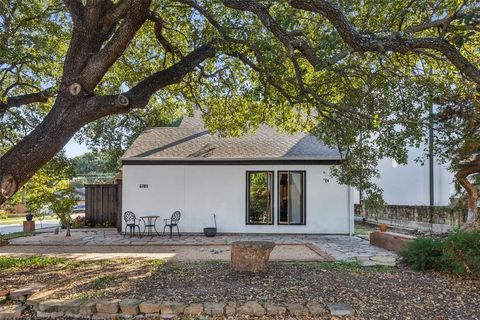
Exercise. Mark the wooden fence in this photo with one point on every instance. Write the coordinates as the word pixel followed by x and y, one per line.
pixel 103 204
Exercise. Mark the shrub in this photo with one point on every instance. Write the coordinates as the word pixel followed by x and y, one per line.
pixel 462 251
pixel 423 254
pixel 458 253
pixel 3 214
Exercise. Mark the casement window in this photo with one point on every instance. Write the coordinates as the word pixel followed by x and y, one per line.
pixel 259 197
pixel 291 197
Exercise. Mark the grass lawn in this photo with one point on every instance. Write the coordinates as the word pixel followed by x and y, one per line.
pixel 374 293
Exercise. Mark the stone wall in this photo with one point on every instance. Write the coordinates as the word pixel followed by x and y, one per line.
pixel 437 219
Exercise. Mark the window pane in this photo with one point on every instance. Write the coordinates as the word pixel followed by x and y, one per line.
pixel 259 197
pixel 291 195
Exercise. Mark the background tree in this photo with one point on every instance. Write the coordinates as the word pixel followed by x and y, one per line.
pixel 354 72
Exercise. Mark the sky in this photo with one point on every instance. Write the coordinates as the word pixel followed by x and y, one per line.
pixel 73 148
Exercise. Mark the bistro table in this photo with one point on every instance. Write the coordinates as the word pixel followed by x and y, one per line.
pixel 149 223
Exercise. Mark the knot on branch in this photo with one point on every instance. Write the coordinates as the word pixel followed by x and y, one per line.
pixel 123 100
pixel 8 186
pixel 75 89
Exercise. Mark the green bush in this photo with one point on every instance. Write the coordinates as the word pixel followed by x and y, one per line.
pixel 462 251
pixel 423 254
pixel 458 253
pixel 3 214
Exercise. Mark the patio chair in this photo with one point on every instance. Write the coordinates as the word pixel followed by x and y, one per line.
pixel 172 222
pixel 131 223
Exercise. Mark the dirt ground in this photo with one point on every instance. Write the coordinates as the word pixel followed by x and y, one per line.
pixel 374 293
pixel 175 253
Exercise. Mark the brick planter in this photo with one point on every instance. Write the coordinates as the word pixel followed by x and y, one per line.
pixel 28 226
pixel 390 240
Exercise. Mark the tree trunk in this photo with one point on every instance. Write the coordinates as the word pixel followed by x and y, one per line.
pixel 68 230
pixel 473 218
pixel 23 160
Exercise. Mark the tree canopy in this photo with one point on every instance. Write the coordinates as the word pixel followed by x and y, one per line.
pixel 361 75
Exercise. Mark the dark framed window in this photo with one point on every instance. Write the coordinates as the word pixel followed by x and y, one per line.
pixel 291 197
pixel 259 197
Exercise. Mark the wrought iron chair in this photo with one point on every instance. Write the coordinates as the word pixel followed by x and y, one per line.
pixel 172 222
pixel 131 222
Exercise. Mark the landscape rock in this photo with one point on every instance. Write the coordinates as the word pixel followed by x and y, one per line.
pixel 194 309
pixel 108 306
pixel 49 315
pixel 22 293
pixel 38 297
pixel 4 295
pixel 340 309
pixel 297 309
pixel 173 308
pixel 214 309
pixel 274 310
pixel 101 316
pixel 251 256
pixel 384 260
pixel 316 309
pixel 150 307
pixel 53 305
pixel 230 309
pixel 130 306
pixel 251 308
pixel 88 308
pixel 152 316
pixel 11 312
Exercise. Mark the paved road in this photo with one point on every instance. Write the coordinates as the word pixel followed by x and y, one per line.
pixel 10 228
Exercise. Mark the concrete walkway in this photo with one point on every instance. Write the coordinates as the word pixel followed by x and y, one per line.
pixel 333 247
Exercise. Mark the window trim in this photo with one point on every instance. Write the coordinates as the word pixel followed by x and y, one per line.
pixel 304 196
pixel 247 195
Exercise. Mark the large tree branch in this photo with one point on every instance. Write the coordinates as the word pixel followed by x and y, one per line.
pixel 24 99
pixel 363 43
pixel 140 94
pixel 99 63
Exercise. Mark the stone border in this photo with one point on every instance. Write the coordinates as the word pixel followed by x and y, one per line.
pixel 128 309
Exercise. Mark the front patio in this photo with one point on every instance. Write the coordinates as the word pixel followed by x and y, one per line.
pixel 106 243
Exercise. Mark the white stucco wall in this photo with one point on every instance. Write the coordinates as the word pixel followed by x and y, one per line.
pixel 198 191
pixel 410 184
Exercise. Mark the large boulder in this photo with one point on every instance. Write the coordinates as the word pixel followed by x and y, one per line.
pixel 251 256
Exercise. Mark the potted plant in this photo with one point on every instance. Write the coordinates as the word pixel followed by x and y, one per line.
pixel 29 217
pixel 383 227
pixel 211 232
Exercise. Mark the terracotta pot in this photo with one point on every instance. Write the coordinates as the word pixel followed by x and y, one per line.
pixel 383 227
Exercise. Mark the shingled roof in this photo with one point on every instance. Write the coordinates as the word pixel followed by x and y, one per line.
pixel 191 141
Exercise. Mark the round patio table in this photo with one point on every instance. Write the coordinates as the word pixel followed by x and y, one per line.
pixel 149 225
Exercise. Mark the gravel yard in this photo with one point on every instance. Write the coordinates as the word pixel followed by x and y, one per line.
pixel 375 293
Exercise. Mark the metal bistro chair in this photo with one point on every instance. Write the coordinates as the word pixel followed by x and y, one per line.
pixel 172 222
pixel 131 223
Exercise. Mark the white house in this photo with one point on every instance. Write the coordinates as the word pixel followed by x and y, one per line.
pixel 269 182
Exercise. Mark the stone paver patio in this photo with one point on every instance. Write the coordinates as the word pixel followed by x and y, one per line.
pixel 336 247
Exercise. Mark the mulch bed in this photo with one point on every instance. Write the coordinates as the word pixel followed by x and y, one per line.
pixel 388 294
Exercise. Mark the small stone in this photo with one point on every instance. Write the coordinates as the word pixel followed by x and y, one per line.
pixel 101 316
pixel 214 309
pixel 150 307
pixel 139 317
pixel 201 249
pixel 171 308
pixel 119 316
pixel 340 309
pixel 22 293
pixel 251 308
pixel 49 306
pixel 316 309
pixel 230 309
pixel 108 306
pixel 296 309
pixel 129 306
pixel 194 309
pixel 381 260
pixel 51 315
pixel 152 316
pixel 273 310
pixel 11 312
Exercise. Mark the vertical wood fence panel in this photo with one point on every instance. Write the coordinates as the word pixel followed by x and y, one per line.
pixel 103 204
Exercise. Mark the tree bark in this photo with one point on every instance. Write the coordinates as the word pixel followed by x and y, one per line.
pixel 473 217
